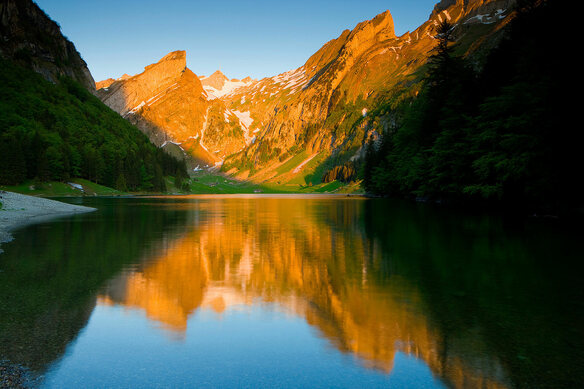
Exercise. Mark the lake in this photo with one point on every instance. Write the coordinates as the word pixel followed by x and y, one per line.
pixel 292 291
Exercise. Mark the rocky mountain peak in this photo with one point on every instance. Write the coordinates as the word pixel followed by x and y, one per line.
pixel 171 64
pixel 381 27
pixel 218 74
pixel 215 80
pixel 353 43
pixel 109 81
pixel 104 83
pixel 179 55
pixel 127 92
pixel 384 19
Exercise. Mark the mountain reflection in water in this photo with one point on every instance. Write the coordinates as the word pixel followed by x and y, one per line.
pixel 374 277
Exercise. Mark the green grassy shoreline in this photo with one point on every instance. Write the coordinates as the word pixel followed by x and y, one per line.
pixel 201 183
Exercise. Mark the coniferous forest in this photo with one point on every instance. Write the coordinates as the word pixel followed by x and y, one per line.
pixel 54 132
pixel 493 133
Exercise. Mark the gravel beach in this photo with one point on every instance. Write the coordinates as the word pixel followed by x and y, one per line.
pixel 20 210
pixel 15 376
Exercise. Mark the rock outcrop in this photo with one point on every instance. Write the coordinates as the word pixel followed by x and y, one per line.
pixel 169 104
pixel 104 83
pixel 29 37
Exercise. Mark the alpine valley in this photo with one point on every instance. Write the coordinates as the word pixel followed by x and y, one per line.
pixel 210 231
pixel 458 110
pixel 295 128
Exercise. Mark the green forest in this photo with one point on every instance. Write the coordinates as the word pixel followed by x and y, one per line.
pixel 55 132
pixel 492 134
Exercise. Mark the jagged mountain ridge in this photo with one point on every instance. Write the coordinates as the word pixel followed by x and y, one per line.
pixel 177 111
pixel 313 108
pixel 318 103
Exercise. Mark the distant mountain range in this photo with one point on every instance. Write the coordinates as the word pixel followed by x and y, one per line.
pixel 289 128
pixel 251 128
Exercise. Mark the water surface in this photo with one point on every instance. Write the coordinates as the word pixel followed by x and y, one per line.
pixel 286 291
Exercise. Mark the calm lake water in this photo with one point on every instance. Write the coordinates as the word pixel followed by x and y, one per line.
pixel 284 291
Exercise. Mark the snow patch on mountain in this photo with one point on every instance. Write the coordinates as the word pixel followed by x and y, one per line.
pixel 244 118
pixel 228 88
pixel 292 79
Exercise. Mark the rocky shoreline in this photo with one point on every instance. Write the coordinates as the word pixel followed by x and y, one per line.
pixel 20 210
pixel 15 376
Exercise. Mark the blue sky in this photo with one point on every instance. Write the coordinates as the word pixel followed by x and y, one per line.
pixel 243 38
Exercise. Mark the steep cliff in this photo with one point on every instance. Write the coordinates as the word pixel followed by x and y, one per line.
pixel 319 107
pixel 169 103
pixel 29 37
pixel 51 127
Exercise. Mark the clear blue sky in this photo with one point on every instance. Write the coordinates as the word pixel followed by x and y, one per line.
pixel 243 38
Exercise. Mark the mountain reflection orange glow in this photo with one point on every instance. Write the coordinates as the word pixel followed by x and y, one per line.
pixel 243 252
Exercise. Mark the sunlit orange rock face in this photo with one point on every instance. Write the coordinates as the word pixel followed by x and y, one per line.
pixel 168 103
pixel 215 80
pixel 318 107
pixel 320 269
